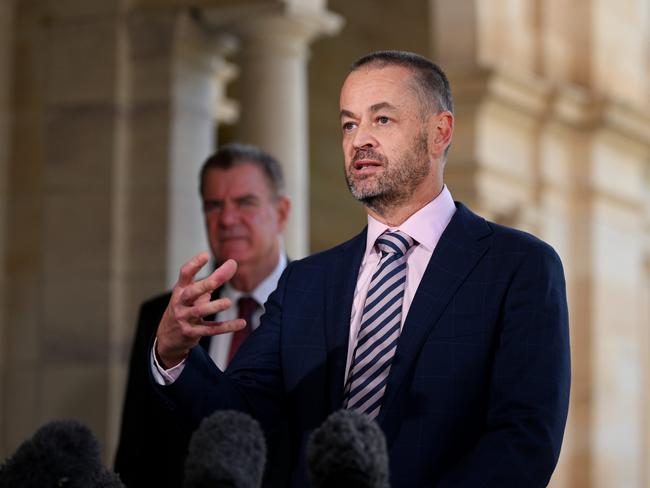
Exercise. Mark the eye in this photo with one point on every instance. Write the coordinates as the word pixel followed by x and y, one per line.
pixel 247 202
pixel 382 120
pixel 348 126
pixel 211 206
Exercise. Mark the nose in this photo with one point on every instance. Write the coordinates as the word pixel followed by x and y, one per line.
pixel 229 215
pixel 363 137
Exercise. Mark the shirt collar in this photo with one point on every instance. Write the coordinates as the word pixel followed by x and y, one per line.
pixel 264 289
pixel 425 226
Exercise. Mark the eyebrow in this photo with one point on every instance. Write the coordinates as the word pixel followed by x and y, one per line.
pixel 236 198
pixel 246 196
pixel 382 106
pixel 373 108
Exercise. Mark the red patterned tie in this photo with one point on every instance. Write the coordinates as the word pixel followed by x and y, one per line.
pixel 247 307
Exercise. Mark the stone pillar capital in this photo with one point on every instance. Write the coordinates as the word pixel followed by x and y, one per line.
pixel 289 26
pixel 222 46
pixel 197 45
pixel 286 26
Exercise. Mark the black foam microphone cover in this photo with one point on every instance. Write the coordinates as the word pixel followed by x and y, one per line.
pixel 348 450
pixel 62 453
pixel 228 450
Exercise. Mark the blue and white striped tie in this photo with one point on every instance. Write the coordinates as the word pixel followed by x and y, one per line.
pixel 380 326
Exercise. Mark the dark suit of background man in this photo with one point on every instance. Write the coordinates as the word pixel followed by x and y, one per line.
pixel 245 213
pixel 471 386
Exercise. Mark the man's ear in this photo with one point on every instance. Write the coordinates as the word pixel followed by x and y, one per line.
pixel 283 207
pixel 441 130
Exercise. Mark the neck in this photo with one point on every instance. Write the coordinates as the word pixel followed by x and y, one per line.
pixel 250 275
pixel 396 215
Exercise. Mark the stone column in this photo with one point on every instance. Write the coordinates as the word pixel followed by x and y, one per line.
pixel 645 338
pixel 198 67
pixel 6 65
pixel 170 67
pixel 274 104
pixel 566 209
pixel 621 161
pixel 114 114
pixel 594 198
pixel 64 146
pixel 454 46
pixel 567 41
pixel 493 162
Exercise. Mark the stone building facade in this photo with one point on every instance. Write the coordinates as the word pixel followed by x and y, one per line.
pixel 108 107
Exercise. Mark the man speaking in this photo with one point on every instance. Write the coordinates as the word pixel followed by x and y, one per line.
pixel 449 330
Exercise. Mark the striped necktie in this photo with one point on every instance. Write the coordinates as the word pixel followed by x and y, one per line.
pixel 380 326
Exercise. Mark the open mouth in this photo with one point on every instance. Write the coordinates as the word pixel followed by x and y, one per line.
pixel 366 166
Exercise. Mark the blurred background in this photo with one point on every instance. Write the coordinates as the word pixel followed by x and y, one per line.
pixel 109 107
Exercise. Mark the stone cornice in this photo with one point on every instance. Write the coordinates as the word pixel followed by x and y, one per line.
pixel 518 91
pixel 566 104
pixel 293 20
pixel 583 110
pixel 224 5
pixel 627 121
pixel 522 92
pixel 576 107
pixel 468 83
pixel 296 18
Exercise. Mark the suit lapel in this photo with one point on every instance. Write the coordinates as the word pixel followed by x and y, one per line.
pixel 340 284
pixel 457 253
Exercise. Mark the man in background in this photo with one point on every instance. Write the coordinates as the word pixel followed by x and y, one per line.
pixel 245 214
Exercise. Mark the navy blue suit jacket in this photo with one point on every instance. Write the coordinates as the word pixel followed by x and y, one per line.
pixel 478 389
pixel 153 442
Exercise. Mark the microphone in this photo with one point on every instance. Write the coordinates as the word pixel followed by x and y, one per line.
pixel 349 450
pixel 62 453
pixel 228 450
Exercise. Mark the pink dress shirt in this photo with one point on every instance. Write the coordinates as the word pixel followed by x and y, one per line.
pixel 425 226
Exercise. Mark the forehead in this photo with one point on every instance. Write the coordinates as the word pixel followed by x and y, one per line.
pixel 242 179
pixel 368 86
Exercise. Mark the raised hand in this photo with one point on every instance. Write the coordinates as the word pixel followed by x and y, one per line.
pixel 182 324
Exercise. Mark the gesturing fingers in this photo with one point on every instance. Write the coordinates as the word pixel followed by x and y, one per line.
pixel 182 324
pixel 189 269
pixel 218 277
pixel 205 298
pixel 196 313
pixel 216 328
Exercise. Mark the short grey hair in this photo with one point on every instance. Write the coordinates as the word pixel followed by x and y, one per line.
pixel 235 154
pixel 429 80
